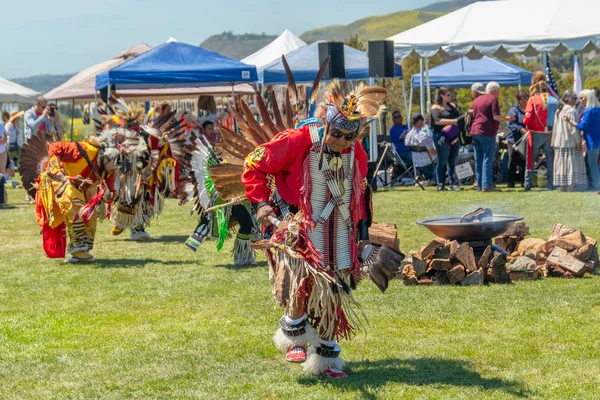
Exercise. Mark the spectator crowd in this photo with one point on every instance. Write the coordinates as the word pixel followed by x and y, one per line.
pixel 549 142
pixel 18 126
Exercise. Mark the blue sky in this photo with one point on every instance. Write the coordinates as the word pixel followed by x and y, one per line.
pixel 64 36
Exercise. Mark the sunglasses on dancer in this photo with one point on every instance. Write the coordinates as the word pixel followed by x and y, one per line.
pixel 337 134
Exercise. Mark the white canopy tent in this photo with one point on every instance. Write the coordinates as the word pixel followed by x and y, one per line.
pixel 284 44
pixel 82 86
pixel 11 92
pixel 503 28
pixel 506 27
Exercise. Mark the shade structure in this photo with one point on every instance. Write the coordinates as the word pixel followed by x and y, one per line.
pixel 11 92
pixel 304 63
pixel 176 65
pixel 506 27
pixel 82 86
pixel 184 93
pixel 463 72
pixel 284 44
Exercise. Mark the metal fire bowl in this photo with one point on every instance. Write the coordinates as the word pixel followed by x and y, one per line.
pixel 451 228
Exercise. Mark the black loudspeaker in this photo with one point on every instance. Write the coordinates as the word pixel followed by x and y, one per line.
pixel 337 66
pixel 381 58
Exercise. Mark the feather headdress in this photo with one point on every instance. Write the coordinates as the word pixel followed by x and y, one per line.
pixel 353 111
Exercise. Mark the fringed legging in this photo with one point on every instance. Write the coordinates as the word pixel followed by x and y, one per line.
pixel 242 216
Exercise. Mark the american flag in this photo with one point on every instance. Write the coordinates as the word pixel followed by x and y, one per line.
pixel 550 82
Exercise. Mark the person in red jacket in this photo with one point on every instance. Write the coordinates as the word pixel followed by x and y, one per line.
pixel 536 122
pixel 318 174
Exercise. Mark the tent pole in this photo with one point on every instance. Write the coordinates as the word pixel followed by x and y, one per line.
pixel 410 99
pixel 422 85
pixel 581 68
pixel 72 117
pixel 428 84
pixel 406 110
pixel 235 127
pixel 373 133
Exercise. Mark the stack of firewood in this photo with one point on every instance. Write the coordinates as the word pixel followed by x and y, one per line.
pixel 443 262
pixel 384 234
pixel 567 253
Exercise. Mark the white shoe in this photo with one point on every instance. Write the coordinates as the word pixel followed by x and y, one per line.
pixel 78 248
pixel 140 236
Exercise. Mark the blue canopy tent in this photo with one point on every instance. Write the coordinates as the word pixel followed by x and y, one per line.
pixel 175 64
pixel 304 63
pixel 463 72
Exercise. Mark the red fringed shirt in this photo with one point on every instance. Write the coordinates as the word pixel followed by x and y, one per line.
pixel 283 157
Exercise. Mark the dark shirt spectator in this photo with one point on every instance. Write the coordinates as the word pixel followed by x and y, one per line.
pixel 515 128
pixel 398 133
pixel 484 108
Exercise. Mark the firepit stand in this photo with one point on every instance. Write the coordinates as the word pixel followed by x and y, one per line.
pixel 478 234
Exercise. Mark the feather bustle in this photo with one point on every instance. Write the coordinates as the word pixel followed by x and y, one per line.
pixel 278 119
pixel 317 82
pixel 289 119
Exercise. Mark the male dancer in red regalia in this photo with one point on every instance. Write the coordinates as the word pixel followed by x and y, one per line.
pixel 319 171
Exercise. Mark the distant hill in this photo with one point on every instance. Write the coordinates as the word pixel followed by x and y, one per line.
pixel 448 6
pixel 43 83
pixel 377 27
pixel 237 46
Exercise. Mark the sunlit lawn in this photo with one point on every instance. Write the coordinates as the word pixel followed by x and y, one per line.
pixel 156 320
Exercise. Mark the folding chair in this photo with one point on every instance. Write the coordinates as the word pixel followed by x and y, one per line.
pixel 421 149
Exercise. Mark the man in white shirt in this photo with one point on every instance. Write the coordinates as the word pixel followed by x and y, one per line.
pixel 419 137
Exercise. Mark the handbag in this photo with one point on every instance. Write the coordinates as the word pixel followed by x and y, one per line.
pixel 13 147
pixel 520 145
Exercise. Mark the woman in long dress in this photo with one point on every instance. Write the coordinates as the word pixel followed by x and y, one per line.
pixel 569 164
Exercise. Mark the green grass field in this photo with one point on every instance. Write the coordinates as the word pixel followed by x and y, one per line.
pixel 158 321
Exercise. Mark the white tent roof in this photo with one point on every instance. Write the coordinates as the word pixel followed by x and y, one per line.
pixel 11 92
pixel 82 86
pixel 503 27
pixel 285 43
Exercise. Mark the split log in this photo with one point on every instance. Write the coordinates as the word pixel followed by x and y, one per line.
pixel 530 245
pixel 518 230
pixel 485 258
pixel 557 272
pixel 560 258
pixel 591 240
pixel 419 265
pixel 440 278
pixel 525 275
pixel 508 243
pixel 583 253
pixel 564 237
pixel 464 254
pixel 440 264
pixel 497 267
pixel 409 276
pixel 429 249
pixel 473 279
pixel 481 214
pixel 456 274
pixel 443 252
pixel 384 234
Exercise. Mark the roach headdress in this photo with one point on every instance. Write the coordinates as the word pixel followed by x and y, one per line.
pixel 351 112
